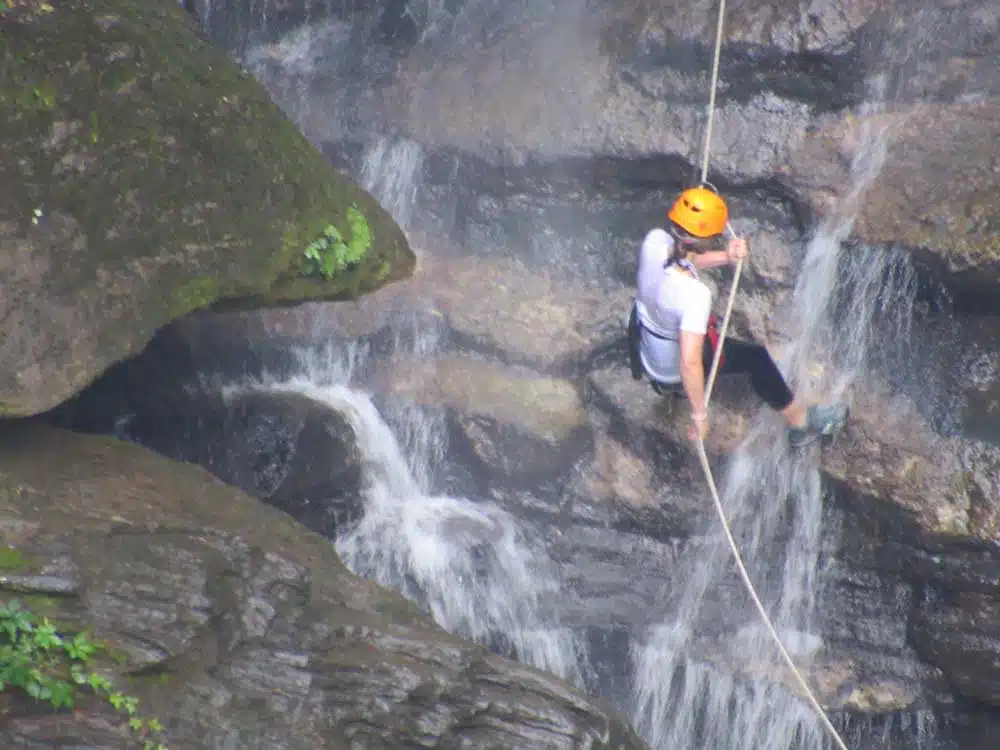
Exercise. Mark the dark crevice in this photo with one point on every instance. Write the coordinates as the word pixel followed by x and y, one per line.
pixel 826 82
pixel 972 292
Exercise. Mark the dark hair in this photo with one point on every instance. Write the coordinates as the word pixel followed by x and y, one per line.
pixel 685 242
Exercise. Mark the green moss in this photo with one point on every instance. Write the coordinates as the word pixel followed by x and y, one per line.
pixel 399 610
pixel 154 679
pixel 42 604
pixel 14 561
pixel 183 167
pixel 41 97
pixel 194 294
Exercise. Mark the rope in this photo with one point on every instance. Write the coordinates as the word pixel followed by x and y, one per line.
pixel 703 457
pixel 712 86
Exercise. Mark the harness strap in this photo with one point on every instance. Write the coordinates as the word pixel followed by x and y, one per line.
pixel 635 326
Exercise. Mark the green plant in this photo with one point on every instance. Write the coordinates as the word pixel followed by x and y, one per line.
pixel 330 254
pixel 52 667
pixel 43 97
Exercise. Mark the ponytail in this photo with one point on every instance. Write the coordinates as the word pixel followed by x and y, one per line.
pixel 676 252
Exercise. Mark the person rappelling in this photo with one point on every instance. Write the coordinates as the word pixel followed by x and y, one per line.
pixel 673 340
pixel 673 333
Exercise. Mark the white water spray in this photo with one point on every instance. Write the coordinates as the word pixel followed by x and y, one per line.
pixel 391 171
pixel 296 70
pixel 809 357
pixel 698 678
pixel 472 565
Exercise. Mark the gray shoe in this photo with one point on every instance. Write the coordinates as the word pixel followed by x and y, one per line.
pixel 821 421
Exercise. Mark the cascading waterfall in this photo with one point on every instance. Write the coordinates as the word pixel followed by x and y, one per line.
pixel 390 171
pixel 821 346
pixel 694 682
pixel 471 564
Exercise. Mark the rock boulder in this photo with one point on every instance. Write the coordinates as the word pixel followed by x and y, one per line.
pixel 239 627
pixel 144 175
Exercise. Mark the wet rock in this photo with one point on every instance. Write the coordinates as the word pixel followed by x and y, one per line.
pixel 515 425
pixel 619 474
pixel 238 626
pixel 282 447
pixel 295 453
pixel 621 84
pixel 498 307
pixel 528 316
pixel 912 604
pixel 641 416
pixel 959 632
pixel 930 196
pixel 888 450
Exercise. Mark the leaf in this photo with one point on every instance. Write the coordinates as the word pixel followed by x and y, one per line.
pixel 135 724
pixel 329 265
pixel 10 630
pixel 98 683
pixel 81 646
pixel 14 621
pixel 44 691
pixel 45 636
pixel 62 694
pixel 361 237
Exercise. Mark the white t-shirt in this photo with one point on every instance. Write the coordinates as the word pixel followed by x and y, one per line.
pixel 668 301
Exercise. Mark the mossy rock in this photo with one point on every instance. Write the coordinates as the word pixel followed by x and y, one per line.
pixel 144 175
pixel 13 560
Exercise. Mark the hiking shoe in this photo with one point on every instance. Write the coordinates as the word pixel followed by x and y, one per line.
pixel 821 421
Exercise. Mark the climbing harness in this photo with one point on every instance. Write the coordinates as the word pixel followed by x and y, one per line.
pixel 703 457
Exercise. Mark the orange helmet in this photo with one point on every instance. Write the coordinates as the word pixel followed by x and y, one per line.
pixel 700 212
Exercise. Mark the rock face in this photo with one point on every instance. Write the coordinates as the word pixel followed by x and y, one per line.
pixel 551 137
pixel 145 176
pixel 541 110
pixel 240 627
pixel 285 448
pixel 521 428
pixel 539 142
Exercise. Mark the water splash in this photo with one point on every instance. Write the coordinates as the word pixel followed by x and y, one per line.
pixel 818 277
pixel 695 678
pixel 478 571
pixel 470 563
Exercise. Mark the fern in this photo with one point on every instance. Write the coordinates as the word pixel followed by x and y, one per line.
pixel 329 254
